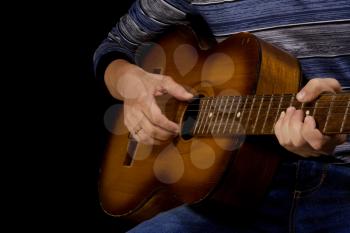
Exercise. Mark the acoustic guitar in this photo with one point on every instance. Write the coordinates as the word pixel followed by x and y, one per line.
pixel 226 152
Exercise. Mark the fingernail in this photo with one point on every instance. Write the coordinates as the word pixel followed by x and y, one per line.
pixel 291 108
pixel 188 95
pixel 177 130
pixel 301 95
pixel 282 114
pixel 307 119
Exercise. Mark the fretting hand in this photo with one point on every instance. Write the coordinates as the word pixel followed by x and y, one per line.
pixel 298 133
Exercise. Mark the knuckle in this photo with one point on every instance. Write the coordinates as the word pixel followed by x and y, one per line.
pixel 317 145
pixel 158 142
pixel 157 119
pixel 284 144
pixel 304 155
pixel 299 142
pixel 315 81
pixel 141 138
pixel 152 132
pixel 148 142
pixel 333 81
pixel 167 78
pixel 277 126
pixel 315 84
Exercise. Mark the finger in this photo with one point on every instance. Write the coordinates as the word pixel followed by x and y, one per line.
pixel 142 137
pixel 295 125
pixel 175 89
pixel 277 128
pixel 146 139
pixel 154 131
pixel 332 141
pixel 132 117
pixel 312 135
pixel 317 86
pixel 285 126
pixel 306 152
pixel 155 115
pixel 339 138
pixel 132 122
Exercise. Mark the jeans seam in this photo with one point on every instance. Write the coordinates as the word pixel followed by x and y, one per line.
pixel 305 193
pixel 293 211
pixel 294 201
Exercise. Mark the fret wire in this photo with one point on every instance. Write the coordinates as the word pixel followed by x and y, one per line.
pixel 217 115
pixel 344 119
pixel 250 112
pixel 314 108
pixel 199 116
pixel 235 115
pixel 212 113
pixel 278 110
pixel 291 100
pixel 329 110
pixel 203 112
pixel 210 102
pixel 257 115
pixel 267 114
pixel 240 120
pixel 223 113
pixel 228 116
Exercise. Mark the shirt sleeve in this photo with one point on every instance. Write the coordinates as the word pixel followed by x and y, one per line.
pixel 144 21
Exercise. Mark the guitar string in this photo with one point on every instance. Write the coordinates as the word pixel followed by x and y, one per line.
pixel 344 102
pixel 255 109
pixel 277 100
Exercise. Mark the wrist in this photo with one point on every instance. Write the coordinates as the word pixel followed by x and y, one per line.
pixel 113 73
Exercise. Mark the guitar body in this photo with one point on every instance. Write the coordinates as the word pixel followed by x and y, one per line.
pixel 138 181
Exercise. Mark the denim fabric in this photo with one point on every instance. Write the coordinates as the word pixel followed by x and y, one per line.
pixel 305 196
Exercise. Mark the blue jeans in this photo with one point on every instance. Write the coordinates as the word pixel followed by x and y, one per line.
pixel 305 196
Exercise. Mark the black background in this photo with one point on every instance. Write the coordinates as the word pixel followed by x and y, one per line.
pixel 56 112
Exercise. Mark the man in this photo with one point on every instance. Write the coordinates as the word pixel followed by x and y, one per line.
pixel 309 194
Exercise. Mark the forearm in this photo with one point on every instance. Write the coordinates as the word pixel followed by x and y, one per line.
pixel 145 20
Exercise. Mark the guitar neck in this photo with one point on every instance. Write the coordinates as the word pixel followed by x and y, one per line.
pixel 257 114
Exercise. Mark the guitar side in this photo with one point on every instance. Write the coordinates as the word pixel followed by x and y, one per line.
pixel 139 181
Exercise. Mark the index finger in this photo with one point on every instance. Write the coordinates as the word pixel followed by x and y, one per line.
pixel 156 117
pixel 317 86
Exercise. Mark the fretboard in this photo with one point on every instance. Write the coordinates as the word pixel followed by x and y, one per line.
pixel 257 114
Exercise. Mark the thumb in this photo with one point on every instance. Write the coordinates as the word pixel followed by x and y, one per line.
pixel 317 86
pixel 175 89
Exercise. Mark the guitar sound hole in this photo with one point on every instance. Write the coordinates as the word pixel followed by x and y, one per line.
pixel 189 118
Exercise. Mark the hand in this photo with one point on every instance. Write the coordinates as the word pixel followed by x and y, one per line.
pixel 299 134
pixel 138 88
